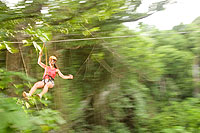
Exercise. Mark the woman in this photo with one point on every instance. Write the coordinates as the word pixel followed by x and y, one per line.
pixel 48 77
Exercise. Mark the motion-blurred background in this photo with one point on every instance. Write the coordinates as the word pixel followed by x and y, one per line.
pixel 126 80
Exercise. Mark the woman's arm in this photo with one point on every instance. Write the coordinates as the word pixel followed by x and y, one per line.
pixel 39 60
pixel 63 76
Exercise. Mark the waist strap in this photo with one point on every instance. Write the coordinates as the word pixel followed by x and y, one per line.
pixel 48 76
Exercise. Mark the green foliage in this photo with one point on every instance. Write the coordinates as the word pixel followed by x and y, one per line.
pixel 177 65
pixel 177 117
pixel 7 46
pixel 6 78
pixel 137 52
pixel 13 118
pixel 134 84
pixel 17 118
pixel 48 119
pixel 177 60
pixel 20 116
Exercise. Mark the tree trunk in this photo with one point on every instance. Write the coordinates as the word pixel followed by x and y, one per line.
pixel 196 78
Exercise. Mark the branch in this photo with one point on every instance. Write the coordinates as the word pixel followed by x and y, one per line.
pixel 79 11
pixel 20 50
pixel 117 21
pixel 61 21
pixel 18 17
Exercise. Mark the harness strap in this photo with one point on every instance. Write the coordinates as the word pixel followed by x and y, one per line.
pixel 48 76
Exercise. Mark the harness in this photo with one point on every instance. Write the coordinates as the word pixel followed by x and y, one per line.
pixel 49 77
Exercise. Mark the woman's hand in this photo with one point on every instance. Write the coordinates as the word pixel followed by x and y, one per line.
pixel 70 76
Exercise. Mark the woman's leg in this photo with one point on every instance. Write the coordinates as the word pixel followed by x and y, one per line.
pixel 37 85
pixel 46 87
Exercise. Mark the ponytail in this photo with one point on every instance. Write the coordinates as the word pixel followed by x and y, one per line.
pixel 55 66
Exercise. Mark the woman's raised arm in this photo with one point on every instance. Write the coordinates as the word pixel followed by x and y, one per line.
pixel 39 60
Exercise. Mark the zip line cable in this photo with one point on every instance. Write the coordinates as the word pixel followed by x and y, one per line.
pixel 101 38
pixel 83 39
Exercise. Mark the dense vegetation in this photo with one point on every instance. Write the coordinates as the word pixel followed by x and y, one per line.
pixel 125 81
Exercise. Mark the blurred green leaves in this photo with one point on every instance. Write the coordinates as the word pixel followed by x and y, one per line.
pixel 135 84
pixel 13 118
pixel 178 117
pixel 6 77
pixel 8 47
pixel 38 34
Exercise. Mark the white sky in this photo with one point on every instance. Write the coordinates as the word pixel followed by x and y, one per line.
pixel 184 11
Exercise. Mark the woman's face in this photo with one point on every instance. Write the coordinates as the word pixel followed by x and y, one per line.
pixel 52 62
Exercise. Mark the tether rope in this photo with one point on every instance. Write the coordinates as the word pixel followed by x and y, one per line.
pixel 100 38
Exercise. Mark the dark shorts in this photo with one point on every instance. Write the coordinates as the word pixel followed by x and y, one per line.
pixel 48 80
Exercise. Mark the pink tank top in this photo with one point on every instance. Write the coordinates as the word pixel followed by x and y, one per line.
pixel 49 71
